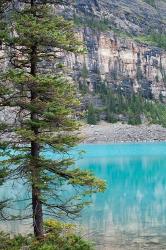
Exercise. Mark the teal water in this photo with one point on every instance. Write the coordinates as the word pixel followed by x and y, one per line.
pixel 131 213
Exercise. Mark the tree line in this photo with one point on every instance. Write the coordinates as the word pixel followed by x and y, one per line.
pixel 132 109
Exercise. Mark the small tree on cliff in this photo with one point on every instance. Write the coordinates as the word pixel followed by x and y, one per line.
pixel 43 106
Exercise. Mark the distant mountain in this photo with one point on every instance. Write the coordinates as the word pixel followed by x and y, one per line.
pixel 126 48
pixel 115 35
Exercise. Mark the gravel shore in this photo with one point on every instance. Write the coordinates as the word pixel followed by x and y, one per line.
pixel 120 133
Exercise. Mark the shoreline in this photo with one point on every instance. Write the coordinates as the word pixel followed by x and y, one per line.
pixel 107 133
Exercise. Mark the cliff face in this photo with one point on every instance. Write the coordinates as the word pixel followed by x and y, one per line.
pixel 136 16
pixel 108 28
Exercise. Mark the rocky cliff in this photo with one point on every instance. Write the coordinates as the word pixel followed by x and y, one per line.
pixel 109 29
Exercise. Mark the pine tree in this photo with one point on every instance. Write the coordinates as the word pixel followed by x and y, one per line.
pixel 91 116
pixel 42 104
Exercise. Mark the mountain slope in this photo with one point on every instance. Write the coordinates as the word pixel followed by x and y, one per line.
pixel 110 30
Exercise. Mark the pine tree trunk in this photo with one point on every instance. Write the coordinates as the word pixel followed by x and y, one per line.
pixel 37 213
pixel 36 193
pixel 35 150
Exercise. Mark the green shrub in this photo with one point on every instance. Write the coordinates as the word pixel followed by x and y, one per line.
pixel 58 236
pixel 155 39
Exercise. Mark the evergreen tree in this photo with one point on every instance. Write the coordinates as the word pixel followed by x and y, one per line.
pixel 91 116
pixel 42 106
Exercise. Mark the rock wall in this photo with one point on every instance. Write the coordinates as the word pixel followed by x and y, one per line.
pixel 118 60
pixel 113 58
pixel 122 64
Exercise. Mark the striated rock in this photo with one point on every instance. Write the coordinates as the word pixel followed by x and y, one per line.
pixel 115 57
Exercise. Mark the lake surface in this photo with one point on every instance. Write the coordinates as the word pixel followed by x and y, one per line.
pixel 131 214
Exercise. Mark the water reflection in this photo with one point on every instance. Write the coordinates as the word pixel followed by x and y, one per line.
pixel 134 204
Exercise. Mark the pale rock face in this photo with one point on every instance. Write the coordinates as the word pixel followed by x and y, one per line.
pixel 121 62
pixel 123 56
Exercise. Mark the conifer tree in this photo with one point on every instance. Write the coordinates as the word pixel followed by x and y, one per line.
pixel 41 103
pixel 91 116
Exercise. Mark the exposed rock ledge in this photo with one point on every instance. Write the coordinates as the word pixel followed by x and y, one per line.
pixel 119 133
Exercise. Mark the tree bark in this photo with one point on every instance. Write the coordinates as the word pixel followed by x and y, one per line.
pixel 37 213
pixel 36 193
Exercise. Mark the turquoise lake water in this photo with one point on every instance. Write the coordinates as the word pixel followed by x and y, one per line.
pixel 133 208
pixel 131 213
